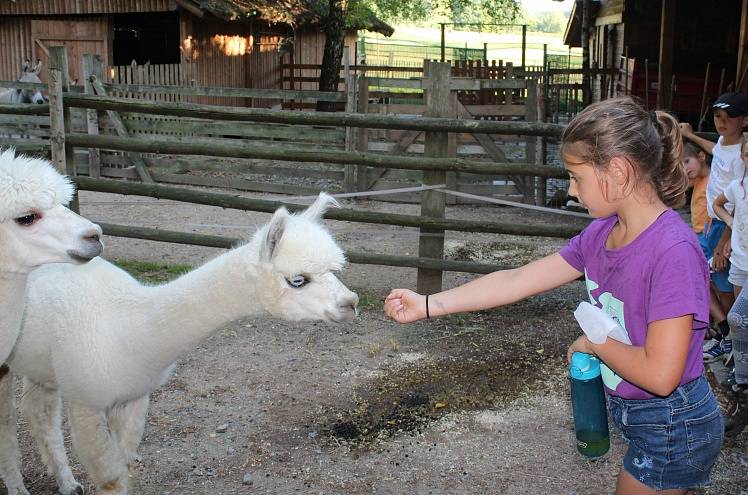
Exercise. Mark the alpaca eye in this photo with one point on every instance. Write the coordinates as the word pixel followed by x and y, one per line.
pixel 297 281
pixel 27 220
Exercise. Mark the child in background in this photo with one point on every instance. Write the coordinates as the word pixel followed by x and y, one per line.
pixel 736 194
pixel 644 267
pixel 697 170
pixel 730 117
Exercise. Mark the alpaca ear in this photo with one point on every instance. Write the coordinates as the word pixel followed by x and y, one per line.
pixel 274 234
pixel 317 209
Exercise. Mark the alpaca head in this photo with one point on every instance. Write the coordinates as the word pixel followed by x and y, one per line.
pixel 35 227
pixel 298 261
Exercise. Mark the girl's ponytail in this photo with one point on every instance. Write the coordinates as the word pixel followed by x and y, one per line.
pixel 670 180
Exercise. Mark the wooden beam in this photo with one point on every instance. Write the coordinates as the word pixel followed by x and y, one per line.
pixel 121 128
pixel 667 31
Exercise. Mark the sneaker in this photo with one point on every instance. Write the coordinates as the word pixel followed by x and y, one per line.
pixel 713 350
pixel 708 343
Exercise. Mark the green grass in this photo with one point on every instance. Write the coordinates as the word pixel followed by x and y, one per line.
pixel 506 46
pixel 152 273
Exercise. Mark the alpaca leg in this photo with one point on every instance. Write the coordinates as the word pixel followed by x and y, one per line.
pixel 10 456
pixel 127 423
pixel 42 408
pixel 98 450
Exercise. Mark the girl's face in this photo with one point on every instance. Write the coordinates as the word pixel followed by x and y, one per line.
pixel 726 125
pixel 692 166
pixel 590 186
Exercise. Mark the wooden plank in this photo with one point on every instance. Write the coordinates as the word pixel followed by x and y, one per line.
pixel 313 118
pixel 213 91
pixel 362 133
pixel 63 154
pixel 137 160
pixel 163 146
pixel 92 66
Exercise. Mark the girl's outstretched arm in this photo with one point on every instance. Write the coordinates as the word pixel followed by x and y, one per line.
pixel 489 291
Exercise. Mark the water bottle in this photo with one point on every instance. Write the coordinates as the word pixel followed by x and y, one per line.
pixel 588 405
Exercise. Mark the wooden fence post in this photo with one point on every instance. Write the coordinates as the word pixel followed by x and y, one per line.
pixel 92 66
pixel 362 133
pixel 349 173
pixel 531 142
pixel 438 104
pixel 63 155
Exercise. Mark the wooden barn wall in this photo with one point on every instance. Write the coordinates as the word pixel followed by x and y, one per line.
pixel 611 7
pixel 77 7
pixel 210 67
pixel 309 46
pixel 15 46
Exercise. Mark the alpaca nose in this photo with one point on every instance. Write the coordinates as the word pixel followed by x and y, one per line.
pixel 350 303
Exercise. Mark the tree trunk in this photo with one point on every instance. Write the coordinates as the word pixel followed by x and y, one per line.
pixel 586 79
pixel 329 75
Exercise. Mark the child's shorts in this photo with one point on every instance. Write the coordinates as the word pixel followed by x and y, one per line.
pixel 708 240
pixel 737 276
pixel 673 441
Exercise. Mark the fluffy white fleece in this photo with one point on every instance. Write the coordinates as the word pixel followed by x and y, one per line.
pixel 28 184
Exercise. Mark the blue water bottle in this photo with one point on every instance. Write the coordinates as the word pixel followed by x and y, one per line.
pixel 588 405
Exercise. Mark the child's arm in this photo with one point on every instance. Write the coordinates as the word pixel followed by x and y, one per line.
pixel 719 209
pixel 704 144
pixel 489 291
pixel 658 365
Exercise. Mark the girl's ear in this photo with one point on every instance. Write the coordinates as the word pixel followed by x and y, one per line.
pixel 620 170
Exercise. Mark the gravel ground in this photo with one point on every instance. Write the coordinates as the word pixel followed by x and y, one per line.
pixel 467 404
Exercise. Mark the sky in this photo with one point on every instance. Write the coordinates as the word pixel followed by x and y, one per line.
pixel 546 5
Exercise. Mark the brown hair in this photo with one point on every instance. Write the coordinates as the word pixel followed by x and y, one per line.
pixel 650 141
pixel 690 149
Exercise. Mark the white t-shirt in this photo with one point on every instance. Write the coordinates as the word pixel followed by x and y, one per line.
pixel 737 194
pixel 726 167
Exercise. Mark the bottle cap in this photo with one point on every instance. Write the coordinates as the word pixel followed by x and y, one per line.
pixel 584 366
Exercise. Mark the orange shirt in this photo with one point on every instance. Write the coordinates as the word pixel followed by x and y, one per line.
pixel 699 215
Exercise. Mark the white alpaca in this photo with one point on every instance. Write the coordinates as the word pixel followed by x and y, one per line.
pixel 104 342
pixel 34 229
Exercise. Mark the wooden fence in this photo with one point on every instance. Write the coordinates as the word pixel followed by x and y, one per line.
pixel 435 164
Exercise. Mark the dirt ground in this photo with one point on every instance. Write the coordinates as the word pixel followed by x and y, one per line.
pixel 469 404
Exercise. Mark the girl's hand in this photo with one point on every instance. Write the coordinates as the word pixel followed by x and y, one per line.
pixel 405 306
pixel 582 344
pixel 686 129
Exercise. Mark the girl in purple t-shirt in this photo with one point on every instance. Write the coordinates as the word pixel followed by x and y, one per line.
pixel 644 267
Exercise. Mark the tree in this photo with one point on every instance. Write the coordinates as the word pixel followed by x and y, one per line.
pixel 338 15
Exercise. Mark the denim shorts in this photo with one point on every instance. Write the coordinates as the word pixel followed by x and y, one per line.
pixel 673 441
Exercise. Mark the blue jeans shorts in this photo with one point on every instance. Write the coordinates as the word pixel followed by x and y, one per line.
pixel 673 441
pixel 708 240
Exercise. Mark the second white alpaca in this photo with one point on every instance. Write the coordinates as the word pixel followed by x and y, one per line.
pixel 104 341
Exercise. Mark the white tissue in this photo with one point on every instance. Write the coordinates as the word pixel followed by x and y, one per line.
pixel 598 325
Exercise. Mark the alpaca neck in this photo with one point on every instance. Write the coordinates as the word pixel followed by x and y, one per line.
pixel 12 295
pixel 192 307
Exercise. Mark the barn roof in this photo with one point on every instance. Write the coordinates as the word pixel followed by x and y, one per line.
pixel 573 33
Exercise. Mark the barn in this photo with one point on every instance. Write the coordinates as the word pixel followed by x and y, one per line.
pixel 677 41
pixel 232 43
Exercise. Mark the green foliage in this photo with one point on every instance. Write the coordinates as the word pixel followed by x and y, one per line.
pixel 546 22
pixel 433 11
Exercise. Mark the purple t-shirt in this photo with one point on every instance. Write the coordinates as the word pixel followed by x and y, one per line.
pixel 661 274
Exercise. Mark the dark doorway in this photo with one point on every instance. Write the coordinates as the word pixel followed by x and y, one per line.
pixel 149 37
